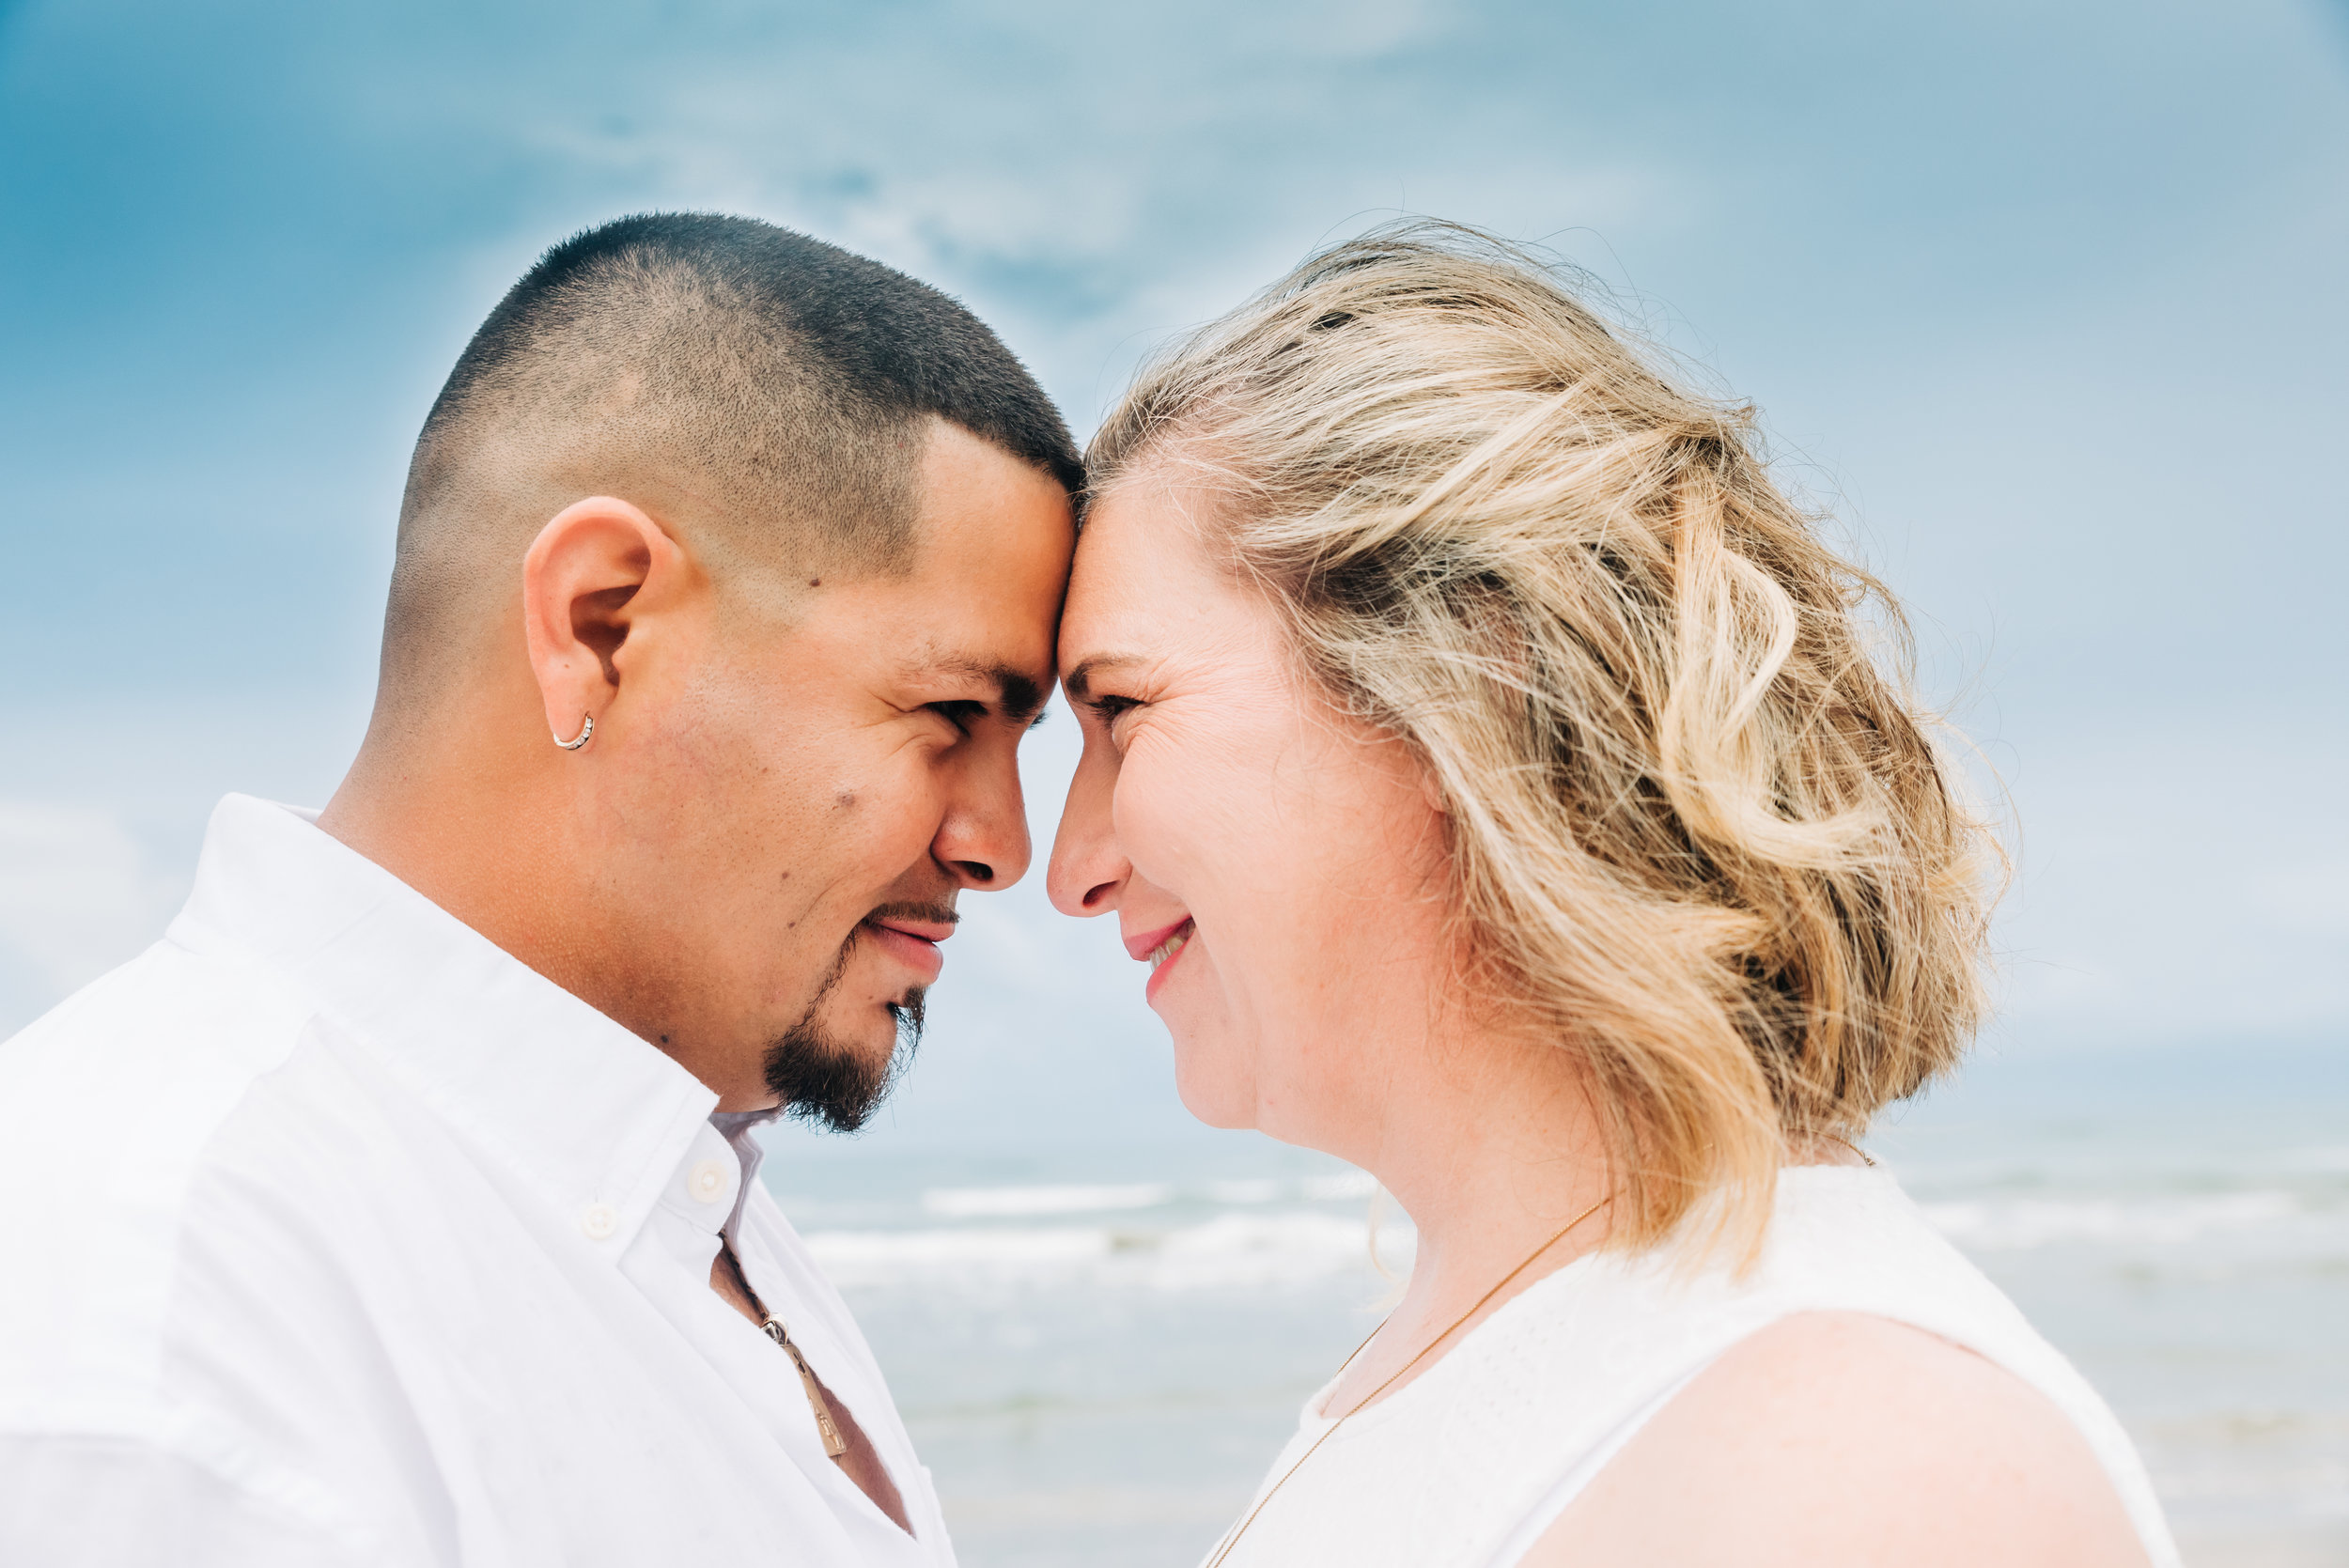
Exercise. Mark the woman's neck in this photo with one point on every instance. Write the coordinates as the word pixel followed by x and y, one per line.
pixel 1494 1150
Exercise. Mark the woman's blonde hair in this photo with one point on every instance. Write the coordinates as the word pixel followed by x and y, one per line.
pixel 1700 832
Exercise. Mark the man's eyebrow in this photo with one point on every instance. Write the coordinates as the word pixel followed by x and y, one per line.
pixel 1019 697
pixel 1079 680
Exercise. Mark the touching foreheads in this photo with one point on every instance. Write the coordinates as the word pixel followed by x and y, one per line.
pixel 764 392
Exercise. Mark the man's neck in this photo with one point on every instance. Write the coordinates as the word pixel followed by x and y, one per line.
pixel 434 800
pixel 482 834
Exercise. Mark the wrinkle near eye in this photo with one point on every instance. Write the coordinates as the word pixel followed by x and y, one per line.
pixel 961 713
pixel 1119 722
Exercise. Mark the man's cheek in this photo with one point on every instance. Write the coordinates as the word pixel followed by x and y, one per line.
pixel 892 828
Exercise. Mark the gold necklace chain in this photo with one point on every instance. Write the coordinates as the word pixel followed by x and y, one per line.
pixel 1223 1549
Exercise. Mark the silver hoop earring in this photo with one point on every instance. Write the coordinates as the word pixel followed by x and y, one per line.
pixel 586 731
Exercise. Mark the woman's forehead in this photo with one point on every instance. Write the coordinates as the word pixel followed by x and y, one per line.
pixel 1139 567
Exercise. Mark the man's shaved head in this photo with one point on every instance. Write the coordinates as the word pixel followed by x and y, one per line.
pixel 761 393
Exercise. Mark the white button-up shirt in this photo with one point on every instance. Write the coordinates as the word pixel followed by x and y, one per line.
pixel 331 1234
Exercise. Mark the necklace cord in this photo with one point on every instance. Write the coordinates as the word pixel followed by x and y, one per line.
pixel 1224 1548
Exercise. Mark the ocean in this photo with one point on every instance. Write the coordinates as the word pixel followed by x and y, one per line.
pixel 1099 1345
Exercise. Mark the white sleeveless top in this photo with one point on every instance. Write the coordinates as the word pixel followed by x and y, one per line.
pixel 1467 1463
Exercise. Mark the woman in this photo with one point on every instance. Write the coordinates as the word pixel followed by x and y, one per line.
pixel 1492 765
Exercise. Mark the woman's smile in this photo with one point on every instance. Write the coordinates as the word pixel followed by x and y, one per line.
pixel 1158 949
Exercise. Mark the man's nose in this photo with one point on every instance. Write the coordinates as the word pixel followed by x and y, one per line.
pixel 984 838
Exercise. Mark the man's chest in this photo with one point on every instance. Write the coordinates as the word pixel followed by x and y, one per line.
pixel 477 1378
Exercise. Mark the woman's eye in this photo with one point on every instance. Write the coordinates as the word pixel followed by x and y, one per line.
pixel 1108 709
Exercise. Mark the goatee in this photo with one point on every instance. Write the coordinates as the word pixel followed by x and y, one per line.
pixel 831 1082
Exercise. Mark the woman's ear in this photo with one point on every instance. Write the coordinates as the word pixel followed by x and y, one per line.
pixel 585 584
pixel 1432 792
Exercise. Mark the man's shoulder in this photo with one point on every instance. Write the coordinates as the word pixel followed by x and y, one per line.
pixel 111 1106
pixel 149 1057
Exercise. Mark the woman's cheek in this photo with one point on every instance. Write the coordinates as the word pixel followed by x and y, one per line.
pixel 1147 812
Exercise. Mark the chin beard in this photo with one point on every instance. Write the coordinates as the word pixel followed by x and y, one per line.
pixel 835 1083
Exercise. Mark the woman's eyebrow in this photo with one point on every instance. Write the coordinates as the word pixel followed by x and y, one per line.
pixel 1079 681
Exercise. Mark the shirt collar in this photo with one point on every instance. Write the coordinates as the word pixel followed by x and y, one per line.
pixel 736 1127
pixel 583 1109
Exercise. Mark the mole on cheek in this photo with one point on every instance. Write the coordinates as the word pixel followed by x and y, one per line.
pixel 845 799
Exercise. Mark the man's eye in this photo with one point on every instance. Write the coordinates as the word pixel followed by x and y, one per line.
pixel 962 715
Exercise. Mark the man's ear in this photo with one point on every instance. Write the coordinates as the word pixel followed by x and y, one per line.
pixel 593 569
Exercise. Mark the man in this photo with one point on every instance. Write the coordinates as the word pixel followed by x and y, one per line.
pixel 398 1206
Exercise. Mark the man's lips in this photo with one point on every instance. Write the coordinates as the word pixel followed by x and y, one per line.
pixel 921 930
pixel 912 942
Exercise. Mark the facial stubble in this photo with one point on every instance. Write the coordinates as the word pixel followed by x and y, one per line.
pixel 835 1083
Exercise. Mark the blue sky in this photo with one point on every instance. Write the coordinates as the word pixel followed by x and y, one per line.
pixel 2046 299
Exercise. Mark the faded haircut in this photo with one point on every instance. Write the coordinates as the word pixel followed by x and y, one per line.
pixel 776 386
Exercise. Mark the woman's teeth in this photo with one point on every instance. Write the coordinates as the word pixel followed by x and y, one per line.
pixel 1170 947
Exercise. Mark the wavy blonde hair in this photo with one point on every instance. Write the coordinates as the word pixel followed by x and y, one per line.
pixel 1700 830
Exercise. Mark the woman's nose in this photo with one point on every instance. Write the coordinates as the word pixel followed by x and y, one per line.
pixel 1088 871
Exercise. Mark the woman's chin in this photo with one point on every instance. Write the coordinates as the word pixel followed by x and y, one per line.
pixel 1215 1098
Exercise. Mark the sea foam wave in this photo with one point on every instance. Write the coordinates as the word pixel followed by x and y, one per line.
pixel 974 1203
pixel 1012 1203
pixel 1170 1235
pixel 1229 1248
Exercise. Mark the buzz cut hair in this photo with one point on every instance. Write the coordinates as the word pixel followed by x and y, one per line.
pixel 776 387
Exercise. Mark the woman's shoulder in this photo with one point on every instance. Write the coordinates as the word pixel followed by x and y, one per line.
pixel 1862 1393
pixel 1839 1239
pixel 1849 1437
pixel 1613 1333
pixel 1861 1373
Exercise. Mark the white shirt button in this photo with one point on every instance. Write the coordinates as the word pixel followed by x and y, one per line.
pixel 707 1181
pixel 599 1221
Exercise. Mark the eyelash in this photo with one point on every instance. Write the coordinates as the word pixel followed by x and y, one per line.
pixel 1107 709
pixel 959 714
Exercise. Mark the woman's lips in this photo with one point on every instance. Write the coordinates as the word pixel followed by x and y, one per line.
pixel 1160 948
pixel 913 944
